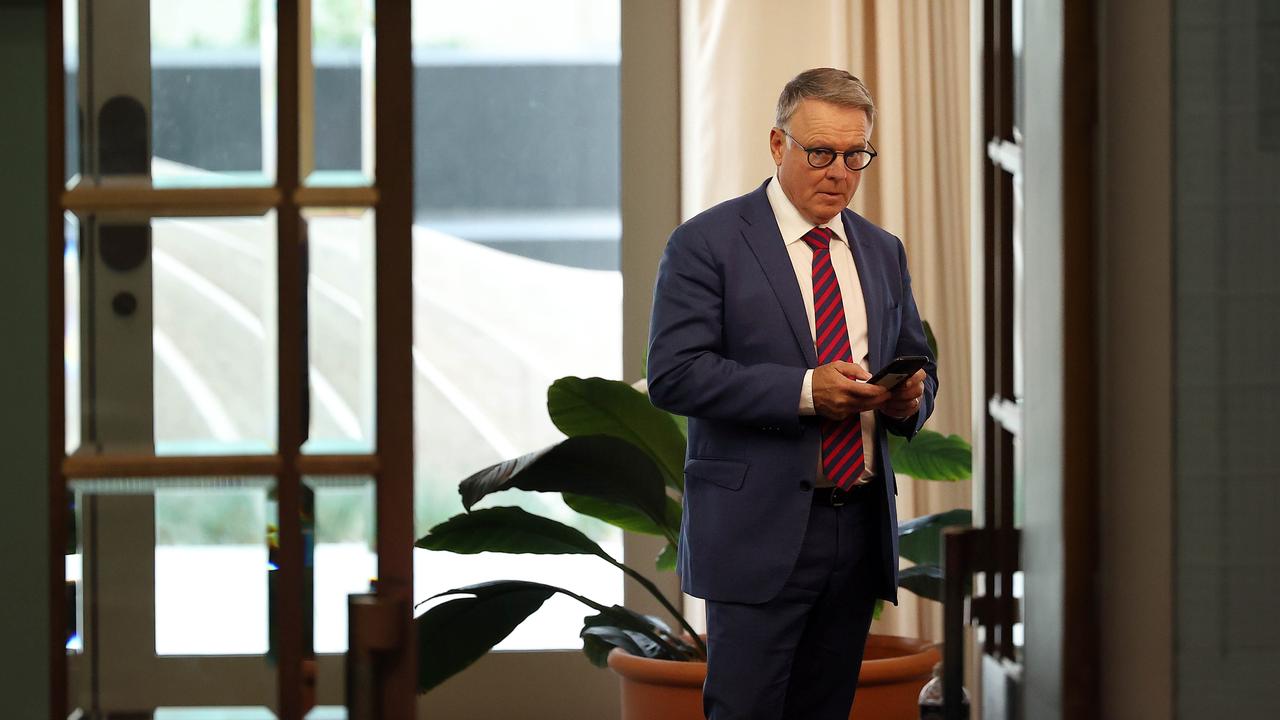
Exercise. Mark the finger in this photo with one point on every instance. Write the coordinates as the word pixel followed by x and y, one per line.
pixel 866 391
pixel 912 387
pixel 908 393
pixel 901 409
pixel 917 379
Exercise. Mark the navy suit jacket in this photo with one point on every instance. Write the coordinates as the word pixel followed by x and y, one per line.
pixel 729 345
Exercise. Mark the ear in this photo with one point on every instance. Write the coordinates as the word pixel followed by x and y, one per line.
pixel 777 143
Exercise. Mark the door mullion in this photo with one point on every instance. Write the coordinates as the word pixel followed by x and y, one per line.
pixel 393 178
pixel 291 367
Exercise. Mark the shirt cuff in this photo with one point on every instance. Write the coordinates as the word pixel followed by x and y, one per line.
pixel 806 394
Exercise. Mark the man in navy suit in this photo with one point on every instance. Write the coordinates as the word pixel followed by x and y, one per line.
pixel 790 525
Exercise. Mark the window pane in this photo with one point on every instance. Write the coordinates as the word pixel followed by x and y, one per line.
pixel 71 310
pixel 341 147
pixel 182 91
pixel 345 561
pixel 212 552
pixel 516 278
pixel 71 64
pixel 213 75
pixel 340 316
pixel 167 567
pixel 173 345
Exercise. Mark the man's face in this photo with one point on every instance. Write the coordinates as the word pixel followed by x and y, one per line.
pixel 819 193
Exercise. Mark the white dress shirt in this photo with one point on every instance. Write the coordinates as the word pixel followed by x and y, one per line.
pixel 793 228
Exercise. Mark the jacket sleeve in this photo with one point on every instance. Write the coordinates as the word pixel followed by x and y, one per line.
pixel 911 341
pixel 688 370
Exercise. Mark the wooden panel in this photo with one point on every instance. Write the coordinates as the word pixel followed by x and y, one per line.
pixel 185 202
pixel 150 466
pixel 1080 615
pixel 344 197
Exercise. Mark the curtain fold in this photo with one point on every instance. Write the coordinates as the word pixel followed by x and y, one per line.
pixel 914 57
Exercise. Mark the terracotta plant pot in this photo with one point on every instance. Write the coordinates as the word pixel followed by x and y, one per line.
pixel 893 671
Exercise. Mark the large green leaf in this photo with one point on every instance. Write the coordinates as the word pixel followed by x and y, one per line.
pixel 508 530
pixel 457 632
pixel 597 466
pixel 597 642
pixel 932 456
pixel 595 406
pixel 923 580
pixel 930 339
pixel 667 558
pixel 666 644
pixel 625 516
pixel 920 539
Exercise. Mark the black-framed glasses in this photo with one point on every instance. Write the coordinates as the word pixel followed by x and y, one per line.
pixel 820 157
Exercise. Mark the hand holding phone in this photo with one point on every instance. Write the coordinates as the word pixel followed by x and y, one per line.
pixel 898 369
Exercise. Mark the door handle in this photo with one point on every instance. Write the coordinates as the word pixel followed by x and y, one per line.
pixel 374 627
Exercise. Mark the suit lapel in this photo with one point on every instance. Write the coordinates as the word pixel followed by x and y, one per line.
pixel 872 298
pixel 761 233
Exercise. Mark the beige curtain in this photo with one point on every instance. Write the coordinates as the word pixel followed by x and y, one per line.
pixel 914 55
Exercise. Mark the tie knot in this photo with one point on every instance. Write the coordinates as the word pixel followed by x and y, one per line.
pixel 818 238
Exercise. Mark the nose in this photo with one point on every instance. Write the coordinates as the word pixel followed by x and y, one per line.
pixel 838 170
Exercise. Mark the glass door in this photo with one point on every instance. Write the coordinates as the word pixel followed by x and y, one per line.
pixel 237 325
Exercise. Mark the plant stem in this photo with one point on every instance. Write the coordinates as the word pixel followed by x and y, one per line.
pixel 653 590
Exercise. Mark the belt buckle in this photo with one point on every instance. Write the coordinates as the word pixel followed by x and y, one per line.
pixel 838 496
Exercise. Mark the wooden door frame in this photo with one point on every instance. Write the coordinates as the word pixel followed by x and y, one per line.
pixel 1056 417
pixel 1060 450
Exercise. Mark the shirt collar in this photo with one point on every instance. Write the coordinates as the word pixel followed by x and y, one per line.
pixel 791 224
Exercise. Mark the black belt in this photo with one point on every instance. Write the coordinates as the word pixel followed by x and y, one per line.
pixel 835 497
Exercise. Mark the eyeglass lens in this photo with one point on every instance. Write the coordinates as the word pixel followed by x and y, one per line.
pixel 856 160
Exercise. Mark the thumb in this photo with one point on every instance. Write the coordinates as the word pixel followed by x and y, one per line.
pixel 850 370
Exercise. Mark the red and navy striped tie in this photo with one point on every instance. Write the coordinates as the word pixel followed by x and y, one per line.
pixel 842 460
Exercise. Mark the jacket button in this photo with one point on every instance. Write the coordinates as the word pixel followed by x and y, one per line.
pixel 806 485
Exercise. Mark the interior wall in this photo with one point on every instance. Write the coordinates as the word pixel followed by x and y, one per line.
pixel 24 510
pixel 1226 181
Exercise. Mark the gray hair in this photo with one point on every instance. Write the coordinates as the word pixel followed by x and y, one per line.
pixel 829 85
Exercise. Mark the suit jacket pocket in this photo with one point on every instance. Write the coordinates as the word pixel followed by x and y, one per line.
pixel 725 473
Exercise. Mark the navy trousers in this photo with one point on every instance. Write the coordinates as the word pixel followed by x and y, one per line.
pixel 797 656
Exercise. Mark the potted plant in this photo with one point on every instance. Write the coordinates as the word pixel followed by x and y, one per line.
pixel 622 462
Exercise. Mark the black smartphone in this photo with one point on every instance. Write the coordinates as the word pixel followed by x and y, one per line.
pixel 898 369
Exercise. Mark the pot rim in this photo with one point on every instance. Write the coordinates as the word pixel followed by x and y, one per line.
pixel 917 659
